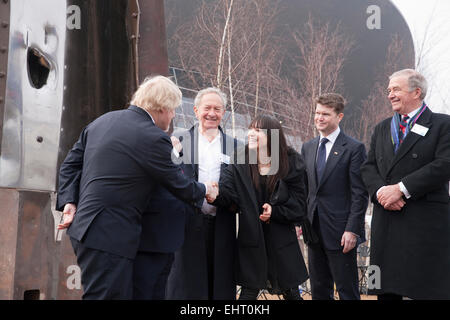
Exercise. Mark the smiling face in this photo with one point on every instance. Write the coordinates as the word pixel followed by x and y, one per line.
pixel 326 119
pixel 402 99
pixel 257 138
pixel 210 111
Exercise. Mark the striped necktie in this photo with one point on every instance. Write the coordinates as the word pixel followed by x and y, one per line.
pixel 403 124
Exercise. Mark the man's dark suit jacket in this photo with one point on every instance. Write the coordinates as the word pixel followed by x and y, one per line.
pixel 110 174
pixel 340 198
pixel 163 223
pixel 189 277
pixel 412 246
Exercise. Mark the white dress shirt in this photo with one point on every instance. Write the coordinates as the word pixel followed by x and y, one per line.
pixel 209 161
pixel 331 139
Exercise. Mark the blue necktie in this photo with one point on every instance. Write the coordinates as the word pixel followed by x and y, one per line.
pixel 321 159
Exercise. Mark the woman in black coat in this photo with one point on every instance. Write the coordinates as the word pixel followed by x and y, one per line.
pixel 269 190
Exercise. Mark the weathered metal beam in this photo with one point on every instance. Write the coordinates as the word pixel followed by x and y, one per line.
pixel 4 44
pixel 152 41
pixel 62 65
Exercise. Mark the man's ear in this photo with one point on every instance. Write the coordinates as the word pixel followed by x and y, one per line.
pixel 341 115
pixel 418 92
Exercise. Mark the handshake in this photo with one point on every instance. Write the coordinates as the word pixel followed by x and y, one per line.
pixel 212 191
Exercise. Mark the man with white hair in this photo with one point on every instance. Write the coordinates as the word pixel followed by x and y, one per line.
pixel 106 180
pixel 204 266
pixel 407 174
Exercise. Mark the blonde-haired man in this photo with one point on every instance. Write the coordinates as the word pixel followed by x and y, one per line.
pixel 159 96
pixel 106 180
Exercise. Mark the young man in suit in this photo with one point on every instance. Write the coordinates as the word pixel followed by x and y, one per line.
pixel 337 202
pixel 106 180
pixel 407 174
pixel 204 265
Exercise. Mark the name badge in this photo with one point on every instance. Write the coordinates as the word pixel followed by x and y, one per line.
pixel 224 158
pixel 420 130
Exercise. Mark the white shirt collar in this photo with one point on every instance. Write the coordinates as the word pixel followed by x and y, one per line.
pixel 332 136
pixel 205 140
pixel 413 113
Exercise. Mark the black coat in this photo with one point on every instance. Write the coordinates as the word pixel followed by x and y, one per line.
pixel 110 173
pixel 188 278
pixel 236 187
pixel 412 246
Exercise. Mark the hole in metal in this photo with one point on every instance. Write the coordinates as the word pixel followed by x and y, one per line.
pixel 38 68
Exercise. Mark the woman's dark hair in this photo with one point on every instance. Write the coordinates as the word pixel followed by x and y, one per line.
pixel 270 125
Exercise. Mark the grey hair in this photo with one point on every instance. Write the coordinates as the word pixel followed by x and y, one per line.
pixel 415 80
pixel 217 91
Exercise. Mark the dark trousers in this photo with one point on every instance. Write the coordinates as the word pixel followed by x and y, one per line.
pixel 151 270
pixel 329 267
pixel 104 276
pixel 252 294
pixel 209 225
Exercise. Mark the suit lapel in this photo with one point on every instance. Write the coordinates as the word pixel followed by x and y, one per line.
pixel 412 138
pixel 223 165
pixel 388 146
pixel 311 161
pixel 335 155
pixel 194 150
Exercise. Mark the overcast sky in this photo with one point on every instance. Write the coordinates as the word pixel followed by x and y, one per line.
pixel 429 22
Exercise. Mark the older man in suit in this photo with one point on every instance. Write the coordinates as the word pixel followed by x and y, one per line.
pixel 407 174
pixel 337 202
pixel 204 265
pixel 106 180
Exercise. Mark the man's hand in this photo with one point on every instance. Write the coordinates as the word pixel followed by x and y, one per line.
pixel 348 241
pixel 390 196
pixel 176 143
pixel 396 206
pixel 212 191
pixel 265 216
pixel 68 214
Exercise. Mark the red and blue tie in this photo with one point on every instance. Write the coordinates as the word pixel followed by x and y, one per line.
pixel 403 124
